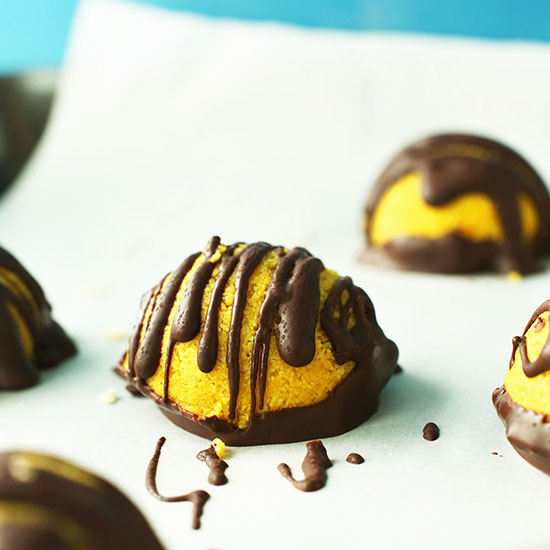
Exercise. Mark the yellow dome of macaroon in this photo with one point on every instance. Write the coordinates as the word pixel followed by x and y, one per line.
pixel 523 402
pixel 459 203
pixel 260 342
pixel 30 339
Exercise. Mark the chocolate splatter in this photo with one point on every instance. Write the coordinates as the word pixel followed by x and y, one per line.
pixel 430 432
pixel 290 312
pixel 452 166
pixel 355 458
pixel 315 466
pixel 21 294
pixel 216 465
pixel 198 498
pixel 542 362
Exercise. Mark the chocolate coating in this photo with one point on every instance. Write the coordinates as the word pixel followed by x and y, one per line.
pixel 50 504
pixel 542 362
pixel 526 430
pixel 290 311
pixel 50 343
pixel 453 165
pixel 315 466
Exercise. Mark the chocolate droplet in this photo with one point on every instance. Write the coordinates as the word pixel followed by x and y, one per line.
pixel 430 431
pixel 355 458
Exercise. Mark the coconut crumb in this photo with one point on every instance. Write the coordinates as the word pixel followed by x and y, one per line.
pixel 108 397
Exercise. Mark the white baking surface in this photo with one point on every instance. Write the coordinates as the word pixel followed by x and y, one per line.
pixel 170 128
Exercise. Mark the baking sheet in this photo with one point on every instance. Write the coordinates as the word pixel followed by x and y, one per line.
pixel 170 128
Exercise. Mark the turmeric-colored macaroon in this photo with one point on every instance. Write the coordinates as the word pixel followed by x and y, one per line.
pixel 458 204
pixel 523 402
pixel 30 340
pixel 257 344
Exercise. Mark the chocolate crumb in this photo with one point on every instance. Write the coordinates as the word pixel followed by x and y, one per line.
pixel 430 432
pixel 398 369
pixel 355 458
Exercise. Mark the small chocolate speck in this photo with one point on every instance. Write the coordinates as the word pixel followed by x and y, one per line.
pixel 355 458
pixel 398 369
pixel 430 432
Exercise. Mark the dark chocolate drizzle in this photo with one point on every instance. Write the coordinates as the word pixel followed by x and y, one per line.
pixel 350 344
pixel 355 458
pixel 448 173
pixel 527 430
pixel 291 305
pixel 50 343
pixel 105 517
pixel 542 362
pixel 315 466
pixel 198 498
pixel 290 311
pixel 215 464
pixel 251 258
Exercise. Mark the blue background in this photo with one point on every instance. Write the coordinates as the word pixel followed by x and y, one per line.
pixel 33 33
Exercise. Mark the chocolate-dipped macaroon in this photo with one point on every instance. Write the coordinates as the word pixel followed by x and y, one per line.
pixel 263 345
pixel 30 340
pixel 523 402
pixel 50 504
pixel 458 204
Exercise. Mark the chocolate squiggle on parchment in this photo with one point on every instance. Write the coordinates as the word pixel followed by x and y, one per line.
pixel 198 498
pixel 315 466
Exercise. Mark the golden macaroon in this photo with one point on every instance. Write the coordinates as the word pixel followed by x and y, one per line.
pixel 523 402
pixel 47 502
pixel 456 204
pixel 263 345
pixel 30 340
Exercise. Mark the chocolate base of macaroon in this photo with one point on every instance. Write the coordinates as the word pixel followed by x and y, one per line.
pixel 451 254
pixel 527 430
pixel 353 400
